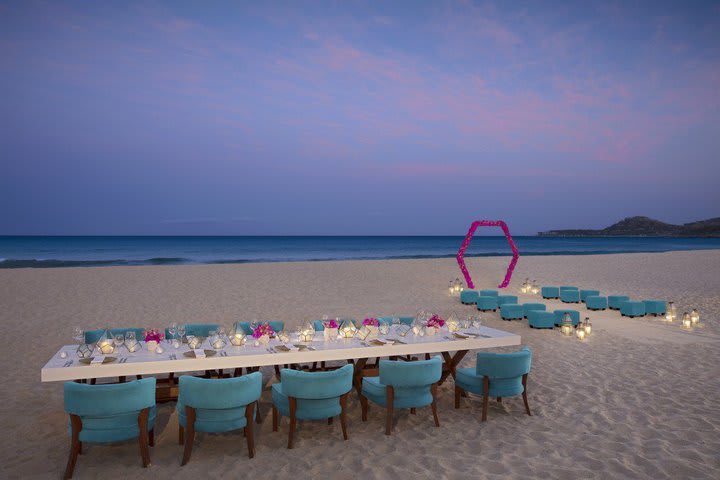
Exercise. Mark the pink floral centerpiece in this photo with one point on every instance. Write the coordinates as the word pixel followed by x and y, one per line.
pixel 152 338
pixel 433 325
pixel 263 332
pixel 330 331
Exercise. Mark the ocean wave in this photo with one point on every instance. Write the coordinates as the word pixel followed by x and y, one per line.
pixel 57 263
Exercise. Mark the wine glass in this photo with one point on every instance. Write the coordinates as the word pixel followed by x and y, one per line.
pixel 181 331
pixel 78 335
pixel 477 322
pixel 172 330
pixel 118 339
pixel 130 341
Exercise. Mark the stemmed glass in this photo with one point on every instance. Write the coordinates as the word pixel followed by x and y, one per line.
pixel 181 331
pixel 172 330
pixel 78 335
pixel 130 341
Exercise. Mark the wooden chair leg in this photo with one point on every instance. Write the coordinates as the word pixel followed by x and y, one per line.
pixel 143 439
pixel 499 399
pixel 275 418
pixel 413 411
pixel 433 405
pixel 277 371
pixel 237 372
pixel 249 433
pixel 524 394
pixel 151 437
pixel 330 420
pixel 80 449
pixel 293 420
pixel 458 394
pixel 258 417
pixel 190 437
pixel 389 414
pixel 343 408
pixel 364 406
pixel 76 425
pixel 486 397
pixel 181 435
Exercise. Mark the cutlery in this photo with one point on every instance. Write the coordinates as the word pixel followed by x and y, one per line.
pixel 67 363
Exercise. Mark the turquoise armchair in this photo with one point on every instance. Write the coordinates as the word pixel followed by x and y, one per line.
pixel 403 385
pixel 311 396
pixel 495 375
pixel 217 405
pixel 110 413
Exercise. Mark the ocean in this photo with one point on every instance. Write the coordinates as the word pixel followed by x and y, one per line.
pixel 46 252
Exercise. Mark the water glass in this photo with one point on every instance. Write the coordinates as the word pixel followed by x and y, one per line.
pixel 172 330
pixel 181 331
pixel 384 328
pixel 78 335
pixel 118 339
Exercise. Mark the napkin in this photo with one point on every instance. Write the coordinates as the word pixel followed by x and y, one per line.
pixel 292 347
pixel 199 353
pixel 98 359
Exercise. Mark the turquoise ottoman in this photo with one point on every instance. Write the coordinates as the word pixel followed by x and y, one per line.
pixel 488 293
pixel 559 314
pixel 485 304
pixel 511 311
pixel 528 307
pixel 570 296
pixel 654 307
pixel 632 309
pixel 588 293
pixel 503 299
pixel 550 292
pixel 614 301
pixel 468 297
pixel 596 302
pixel 567 287
pixel 541 319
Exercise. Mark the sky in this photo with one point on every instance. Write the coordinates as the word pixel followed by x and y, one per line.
pixel 355 117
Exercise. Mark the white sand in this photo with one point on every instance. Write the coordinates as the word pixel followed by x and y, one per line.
pixel 639 399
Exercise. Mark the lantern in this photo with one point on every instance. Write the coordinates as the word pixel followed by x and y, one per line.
pixel 524 288
pixel 567 326
pixel 672 312
pixel 451 288
pixel 459 286
pixel 218 342
pixel 105 343
pixel 347 329
pixel 695 316
pixel 193 341
pixel 580 332
pixel 534 289
pixel 84 350
pixel 237 336
pixel 453 323
pixel 587 326
pixel 364 332
pixel 306 332
pixel 686 321
pixel 283 336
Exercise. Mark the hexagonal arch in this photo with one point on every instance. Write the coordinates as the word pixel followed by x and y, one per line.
pixel 466 243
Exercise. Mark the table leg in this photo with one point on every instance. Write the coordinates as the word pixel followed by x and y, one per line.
pixel 359 365
pixel 451 363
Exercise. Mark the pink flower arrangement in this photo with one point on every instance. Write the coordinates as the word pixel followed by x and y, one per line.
pixel 331 324
pixel 371 322
pixel 435 321
pixel 153 335
pixel 263 329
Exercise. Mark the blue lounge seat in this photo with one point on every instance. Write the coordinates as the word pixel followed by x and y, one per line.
pixel 588 293
pixel 559 314
pixel 550 292
pixel 632 309
pixel 110 413
pixel 511 311
pixel 527 307
pixel 655 307
pixel 614 301
pixel 570 296
pixel 567 287
pixel 468 297
pixel 311 396
pixel 541 319
pixel 402 385
pixel 495 375
pixel 488 293
pixel 217 405
pixel 596 302
pixel 485 304
pixel 503 299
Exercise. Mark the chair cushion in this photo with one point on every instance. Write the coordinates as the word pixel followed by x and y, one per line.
pixel 307 409
pixel 588 293
pixel 632 309
pixel 511 311
pixel 527 307
pixel 502 387
pixel 404 397
pixel 596 302
pixel 113 428
pixel 550 292
pixel 468 297
pixel 570 296
pixel 541 319
pixel 486 303
pixel 655 307
pixel 614 301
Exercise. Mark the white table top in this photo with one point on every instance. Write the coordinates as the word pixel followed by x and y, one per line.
pixel 144 362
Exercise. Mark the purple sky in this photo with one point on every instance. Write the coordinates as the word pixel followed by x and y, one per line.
pixel 355 117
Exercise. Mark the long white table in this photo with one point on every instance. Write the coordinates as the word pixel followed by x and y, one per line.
pixel 144 362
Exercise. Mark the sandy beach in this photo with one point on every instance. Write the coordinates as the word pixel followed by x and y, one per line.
pixel 637 400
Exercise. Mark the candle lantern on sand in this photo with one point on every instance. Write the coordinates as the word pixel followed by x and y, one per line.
pixel 567 325
pixel 580 332
pixel 534 289
pixel 695 316
pixel 686 321
pixel 671 314
pixel 587 326
pixel 451 288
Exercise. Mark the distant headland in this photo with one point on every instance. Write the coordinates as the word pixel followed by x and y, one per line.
pixel 645 227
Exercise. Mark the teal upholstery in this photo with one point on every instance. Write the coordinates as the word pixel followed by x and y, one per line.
pixel 511 311
pixel 632 309
pixel 550 292
pixel 92 336
pixel 219 404
pixel 655 307
pixel 614 301
pixel 596 302
pixel 527 307
pixel 505 373
pixel 197 329
pixel 276 325
pixel 588 293
pixel 389 320
pixel 486 303
pixel 411 382
pixel 559 314
pixel 567 287
pixel 503 299
pixel 109 413
pixel 570 296
pixel 541 319
pixel 317 393
pixel 468 297
pixel 488 293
